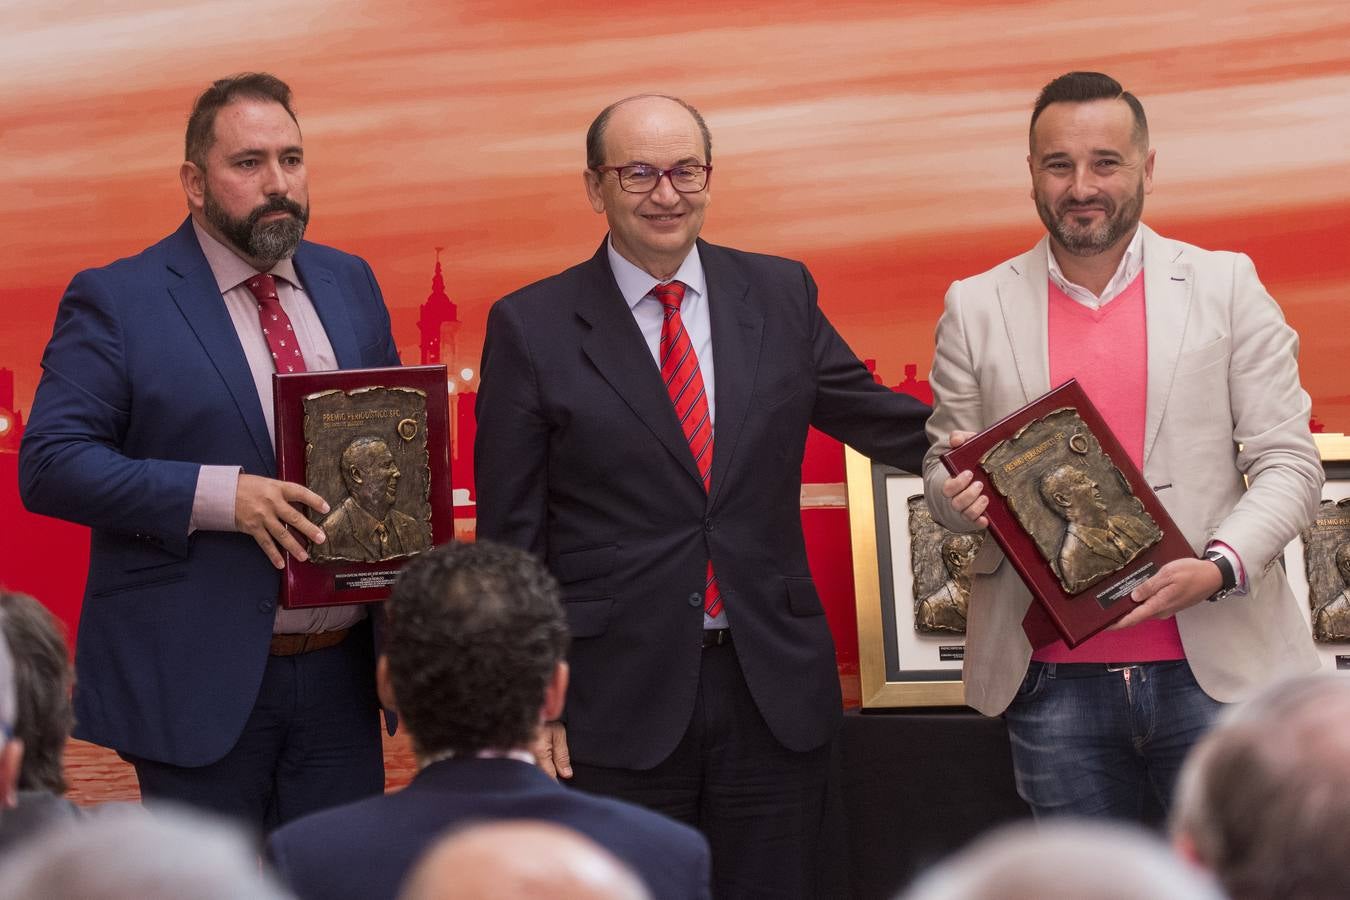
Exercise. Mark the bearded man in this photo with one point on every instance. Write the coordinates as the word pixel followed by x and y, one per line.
pixel 1192 366
pixel 153 425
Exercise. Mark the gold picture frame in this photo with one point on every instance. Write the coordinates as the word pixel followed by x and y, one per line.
pixel 890 674
pixel 1335 452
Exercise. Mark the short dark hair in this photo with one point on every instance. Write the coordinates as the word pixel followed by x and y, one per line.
pixel 1084 87
pixel 595 135
pixel 201 124
pixel 42 681
pixel 476 631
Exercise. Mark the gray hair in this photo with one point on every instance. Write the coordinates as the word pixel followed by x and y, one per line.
pixel 8 703
pixel 1102 860
pixel 1264 798
pixel 130 854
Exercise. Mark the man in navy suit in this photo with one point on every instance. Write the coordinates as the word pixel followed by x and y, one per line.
pixel 153 426
pixel 474 662
pixel 641 423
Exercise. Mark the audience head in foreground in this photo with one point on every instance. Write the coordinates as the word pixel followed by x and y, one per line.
pixel 128 854
pixel 42 682
pixel 39 721
pixel 1083 859
pixel 11 748
pixel 474 663
pixel 1264 801
pixel 520 860
pixel 474 654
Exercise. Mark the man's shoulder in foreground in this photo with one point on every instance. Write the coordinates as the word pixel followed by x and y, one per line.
pixel 364 849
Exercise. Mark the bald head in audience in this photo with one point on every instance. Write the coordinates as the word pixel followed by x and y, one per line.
pixel 1264 799
pixel 1089 859
pixel 520 860
pixel 129 854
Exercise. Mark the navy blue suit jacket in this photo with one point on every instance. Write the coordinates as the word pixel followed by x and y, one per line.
pixel 364 850
pixel 144 380
pixel 580 459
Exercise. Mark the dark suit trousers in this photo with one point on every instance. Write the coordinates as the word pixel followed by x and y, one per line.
pixel 759 804
pixel 311 742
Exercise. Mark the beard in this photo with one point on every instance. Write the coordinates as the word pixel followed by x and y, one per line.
pixel 1118 222
pixel 262 242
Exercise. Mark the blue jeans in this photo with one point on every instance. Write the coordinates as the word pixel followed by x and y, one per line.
pixel 1106 742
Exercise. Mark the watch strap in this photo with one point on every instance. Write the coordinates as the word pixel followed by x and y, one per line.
pixel 1227 575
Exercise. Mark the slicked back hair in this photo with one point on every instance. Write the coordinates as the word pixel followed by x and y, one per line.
pixel 201 125
pixel 475 634
pixel 1085 87
pixel 595 135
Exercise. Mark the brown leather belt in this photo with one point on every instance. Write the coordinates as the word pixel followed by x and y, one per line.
pixel 295 644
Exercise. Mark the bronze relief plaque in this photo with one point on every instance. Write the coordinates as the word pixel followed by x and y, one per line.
pixel 940 562
pixel 1071 499
pixel 366 454
pixel 1326 562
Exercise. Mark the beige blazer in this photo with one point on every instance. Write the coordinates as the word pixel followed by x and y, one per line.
pixel 1224 401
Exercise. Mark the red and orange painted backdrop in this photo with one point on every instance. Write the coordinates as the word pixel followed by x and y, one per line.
pixel 883 143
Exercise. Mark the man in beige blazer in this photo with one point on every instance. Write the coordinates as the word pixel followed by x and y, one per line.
pixel 1203 389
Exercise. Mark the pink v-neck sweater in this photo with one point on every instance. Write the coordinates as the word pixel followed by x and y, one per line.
pixel 1106 349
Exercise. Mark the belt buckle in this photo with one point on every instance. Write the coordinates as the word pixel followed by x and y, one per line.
pixel 716 637
pixel 1119 667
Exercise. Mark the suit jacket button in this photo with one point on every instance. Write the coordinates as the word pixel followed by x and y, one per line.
pixel 707 524
pixel 695 599
pixel 266 606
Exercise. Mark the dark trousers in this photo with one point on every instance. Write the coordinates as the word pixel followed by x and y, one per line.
pixel 311 742
pixel 759 804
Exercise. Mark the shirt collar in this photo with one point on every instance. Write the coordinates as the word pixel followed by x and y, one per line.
pixel 518 754
pixel 230 269
pixel 1129 267
pixel 636 284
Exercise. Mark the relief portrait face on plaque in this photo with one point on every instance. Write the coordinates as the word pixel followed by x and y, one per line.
pixel 366 454
pixel 940 561
pixel 1326 561
pixel 1071 499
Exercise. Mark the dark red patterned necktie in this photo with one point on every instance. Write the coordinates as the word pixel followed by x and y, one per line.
pixel 276 325
pixel 684 383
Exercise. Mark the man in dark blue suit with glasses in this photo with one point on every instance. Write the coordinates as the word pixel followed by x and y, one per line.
pixel 641 424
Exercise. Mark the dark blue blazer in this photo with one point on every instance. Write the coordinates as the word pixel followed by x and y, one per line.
pixel 364 850
pixel 144 380
pixel 580 459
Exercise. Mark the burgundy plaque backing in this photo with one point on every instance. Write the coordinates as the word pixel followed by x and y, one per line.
pixel 339 582
pixel 1057 614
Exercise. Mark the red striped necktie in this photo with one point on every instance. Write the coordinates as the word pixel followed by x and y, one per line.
pixel 276 325
pixel 684 383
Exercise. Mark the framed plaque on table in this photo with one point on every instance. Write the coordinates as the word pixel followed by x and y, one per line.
pixel 1072 513
pixel 374 443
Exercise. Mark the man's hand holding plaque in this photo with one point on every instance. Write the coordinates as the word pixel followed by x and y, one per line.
pixel 363 458
pixel 1075 518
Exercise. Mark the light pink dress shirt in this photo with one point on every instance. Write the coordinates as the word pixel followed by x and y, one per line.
pixel 213 504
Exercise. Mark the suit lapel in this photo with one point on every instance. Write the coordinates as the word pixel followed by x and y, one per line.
pixel 197 295
pixel 1168 284
pixel 329 303
pixel 616 348
pixel 737 336
pixel 1024 300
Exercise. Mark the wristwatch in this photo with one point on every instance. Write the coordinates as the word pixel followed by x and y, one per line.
pixel 1225 572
